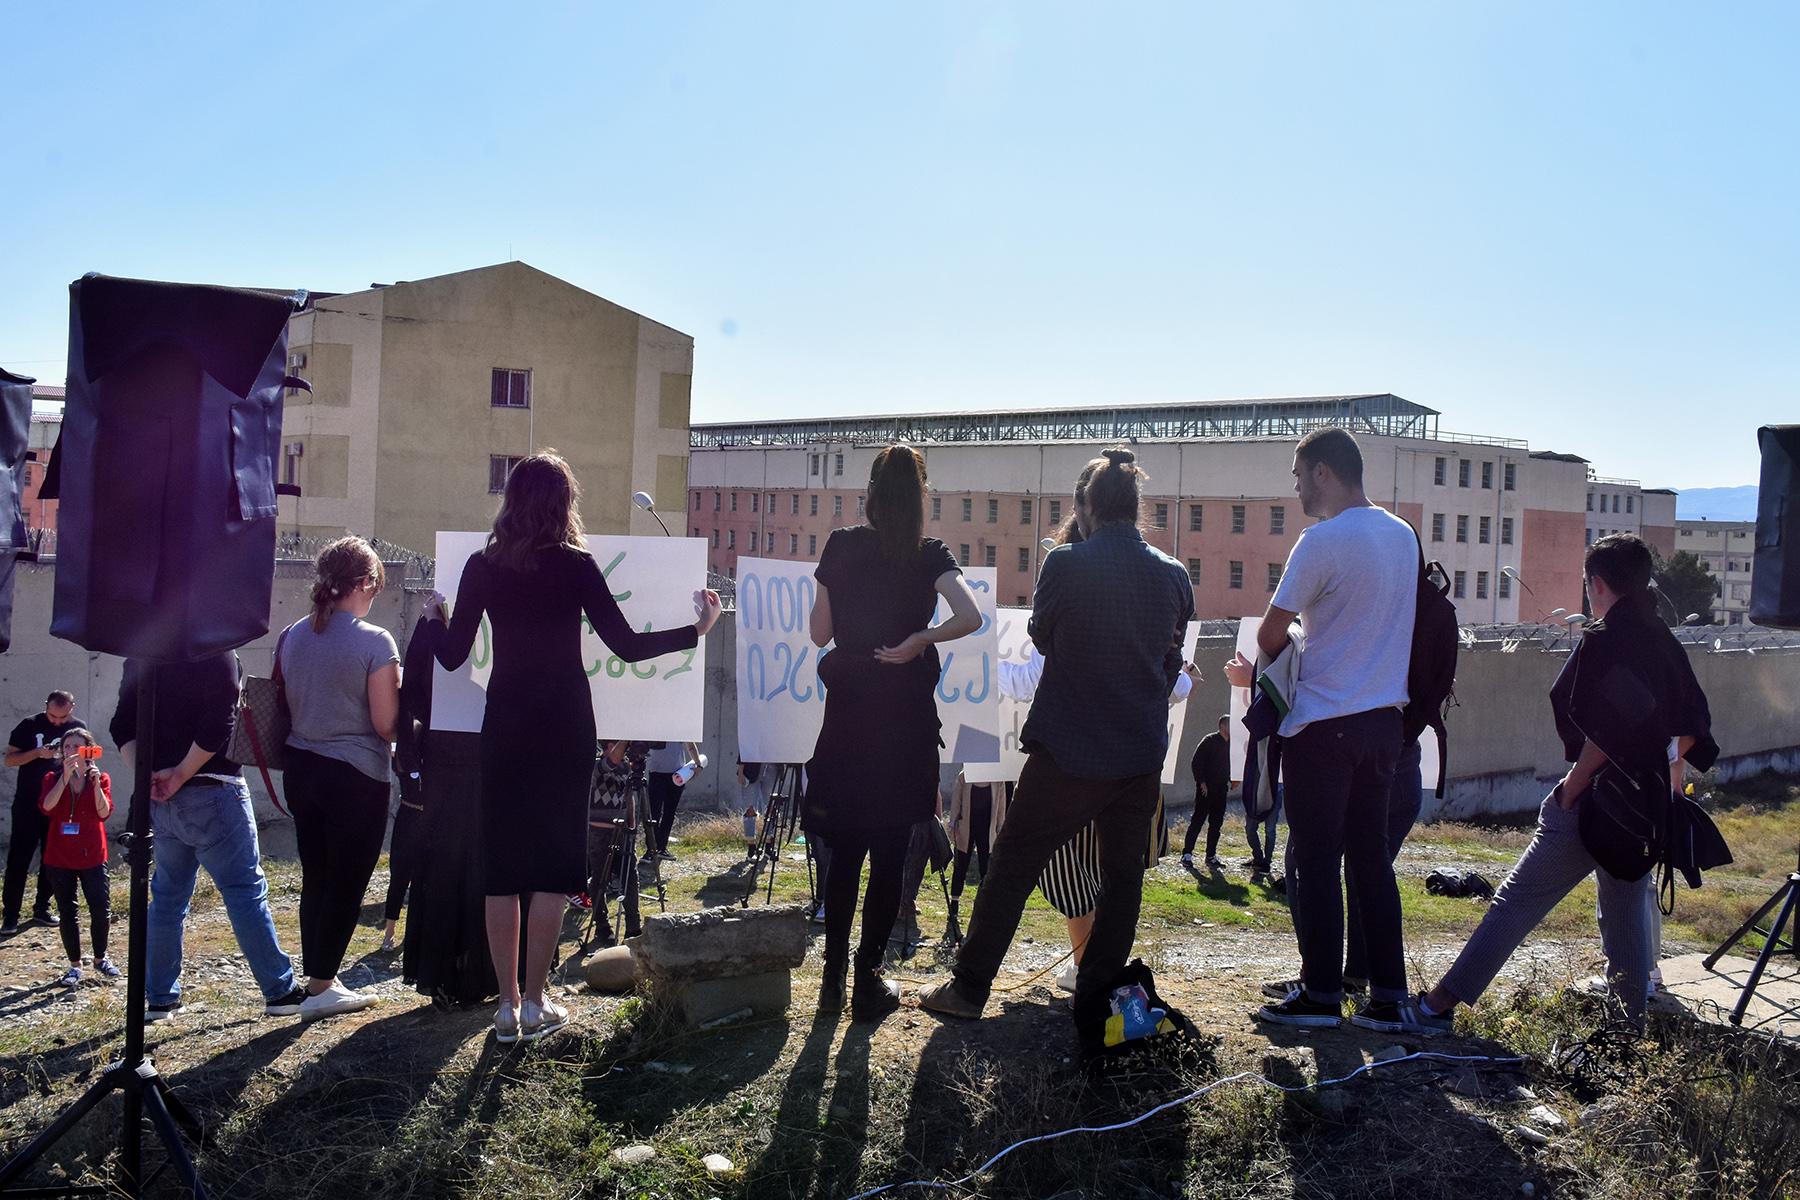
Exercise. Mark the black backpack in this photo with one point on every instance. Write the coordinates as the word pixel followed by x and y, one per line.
pixel 1431 675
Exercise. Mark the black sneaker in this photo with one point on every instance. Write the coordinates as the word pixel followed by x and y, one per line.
pixel 9 928
pixel 286 1006
pixel 1302 1012
pixel 43 918
pixel 1355 987
pixel 1280 989
pixel 1385 1015
pixel 161 1012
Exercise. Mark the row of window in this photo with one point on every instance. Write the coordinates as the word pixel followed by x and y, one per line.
pixel 769 542
pixel 1630 503
pixel 1053 510
pixel 1459 583
pixel 1465 470
pixel 1234 574
pixel 1484 529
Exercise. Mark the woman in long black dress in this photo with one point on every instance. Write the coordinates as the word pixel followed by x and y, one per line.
pixel 534 581
pixel 874 770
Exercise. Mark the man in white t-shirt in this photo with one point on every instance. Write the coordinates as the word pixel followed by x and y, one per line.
pixel 1352 580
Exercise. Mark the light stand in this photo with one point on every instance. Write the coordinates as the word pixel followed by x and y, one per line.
pixel 145 1091
pixel 1787 896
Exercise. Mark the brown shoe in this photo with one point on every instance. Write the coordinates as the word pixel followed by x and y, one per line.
pixel 946 999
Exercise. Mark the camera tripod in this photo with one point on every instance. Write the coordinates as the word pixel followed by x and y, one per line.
pixel 1788 897
pixel 146 1093
pixel 781 820
pixel 619 869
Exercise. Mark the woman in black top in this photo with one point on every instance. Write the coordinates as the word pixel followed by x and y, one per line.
pixel 874 770
pixel 534 581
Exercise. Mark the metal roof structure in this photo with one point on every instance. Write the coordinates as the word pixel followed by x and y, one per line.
pixel 1379 414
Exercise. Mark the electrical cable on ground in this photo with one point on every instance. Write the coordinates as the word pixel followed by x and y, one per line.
pixel 1240 1077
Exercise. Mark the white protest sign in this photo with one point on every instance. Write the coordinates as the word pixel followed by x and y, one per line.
pixel 779 701
pixel 654 580
pixel 1019 667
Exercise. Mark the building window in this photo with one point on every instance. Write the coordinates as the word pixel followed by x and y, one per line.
pixel 1481 585
pixel 812 544
pixel 500 467
pixel 1194 571
pixel 990 557
pixel 1056 512
pixel 1505 586
pixel 793 543
pixel 993 512
pixel 794 508
pixel 1161 520
pixel 1486 533
pixel 1487 475
pixel 1456 589
pixel 812 505
pixel 861 505
pixel 1590 506
pixel 1437 473
pixel 754 501
pixel 1506 531
pixel 1590 536
pixel 962 553
pixel 696 501
pixel 1629 502
pixel 734 502
pixel 1462 529
pixel 1277 519
pixel 1237 518
pixel 937 508
pixel 1615 502
pixel 511 389
pixel 1437 527
pixel 1509 476
pixel 771 508
pixel 731 539
pixel 716 498
pixel 753 541
pixel 731 571
pixel 815 464
pixel 1024 512
pixel 1274 576
pixel 1024 558
pixel 715 544
pixel 1020 602
pixel 837 506
pixel 1196 519
pixel 696 533
pixel 1237 575
pixel 968 509
pixel 1462 473
pixel 837 467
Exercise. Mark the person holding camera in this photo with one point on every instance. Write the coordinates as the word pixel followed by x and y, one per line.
pixel 31 748
pixel 534 581
pixel 76 802
pixel 341 677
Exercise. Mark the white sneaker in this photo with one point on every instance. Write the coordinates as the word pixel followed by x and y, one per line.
pixel 1065 978
pixel 506 1025
pixel 538 1022
pixel 334 1000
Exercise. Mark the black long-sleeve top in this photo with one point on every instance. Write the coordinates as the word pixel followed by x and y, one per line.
pixel 196 705
pixel 1212 764
pixel 536 621
pixel 415 693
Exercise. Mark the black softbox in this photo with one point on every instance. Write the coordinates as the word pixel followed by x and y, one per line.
pixel 166 467
pixel 15 428
pixel 1775 577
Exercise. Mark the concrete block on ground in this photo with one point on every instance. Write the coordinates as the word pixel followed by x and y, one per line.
pixel 701 1000
pixel 722 943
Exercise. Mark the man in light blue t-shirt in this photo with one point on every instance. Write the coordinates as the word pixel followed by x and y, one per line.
pixel 1352 580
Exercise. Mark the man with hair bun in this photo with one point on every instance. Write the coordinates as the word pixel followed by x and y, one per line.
pixel 1352 581
pixel 1109 617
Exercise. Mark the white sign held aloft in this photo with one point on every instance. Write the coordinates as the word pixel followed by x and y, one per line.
pixel 654 580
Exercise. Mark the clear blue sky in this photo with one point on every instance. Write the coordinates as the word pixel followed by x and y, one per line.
pixel 1571 223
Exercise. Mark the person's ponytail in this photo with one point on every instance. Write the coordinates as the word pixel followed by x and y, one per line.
pixel 1112 487
pixel 896 505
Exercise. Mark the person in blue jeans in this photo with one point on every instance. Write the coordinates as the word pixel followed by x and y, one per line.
pixel 201 816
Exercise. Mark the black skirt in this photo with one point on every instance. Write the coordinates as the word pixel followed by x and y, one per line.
pixel 446 950
pixel 875 765
pixel 537 768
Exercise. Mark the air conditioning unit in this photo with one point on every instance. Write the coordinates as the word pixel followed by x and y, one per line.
pixel 297 361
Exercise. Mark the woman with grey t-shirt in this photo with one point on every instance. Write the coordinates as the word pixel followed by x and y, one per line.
pixel 341 677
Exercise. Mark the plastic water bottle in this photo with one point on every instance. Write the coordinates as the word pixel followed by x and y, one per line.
pixel 689 769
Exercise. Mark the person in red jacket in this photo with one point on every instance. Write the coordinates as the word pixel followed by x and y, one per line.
pixel 76 802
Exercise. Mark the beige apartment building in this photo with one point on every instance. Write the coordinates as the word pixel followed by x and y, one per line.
pixel 424 392
pixel 1727 549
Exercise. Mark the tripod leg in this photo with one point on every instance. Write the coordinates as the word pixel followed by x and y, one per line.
pixel 1756 918
pixel 102 1087
pixel 184 1116
pixel 164 1123
pixel 1762 960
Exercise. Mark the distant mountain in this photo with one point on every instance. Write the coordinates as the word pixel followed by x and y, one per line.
pixel 1717 504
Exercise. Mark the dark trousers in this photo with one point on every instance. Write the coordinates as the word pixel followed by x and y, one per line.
pixel 1209 808
pixel 665 798
pixel 339 817
pixel 1340 779
pixel 1048 809
pixel 1403 813
pixel 403 853
pixel 97 891
pixel 29 825
pixel 981 821
pixel 886 851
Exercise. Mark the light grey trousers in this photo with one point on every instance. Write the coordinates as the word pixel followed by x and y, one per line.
pixel 1549 870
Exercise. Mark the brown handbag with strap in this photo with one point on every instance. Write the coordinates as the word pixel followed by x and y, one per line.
pixel 263 724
